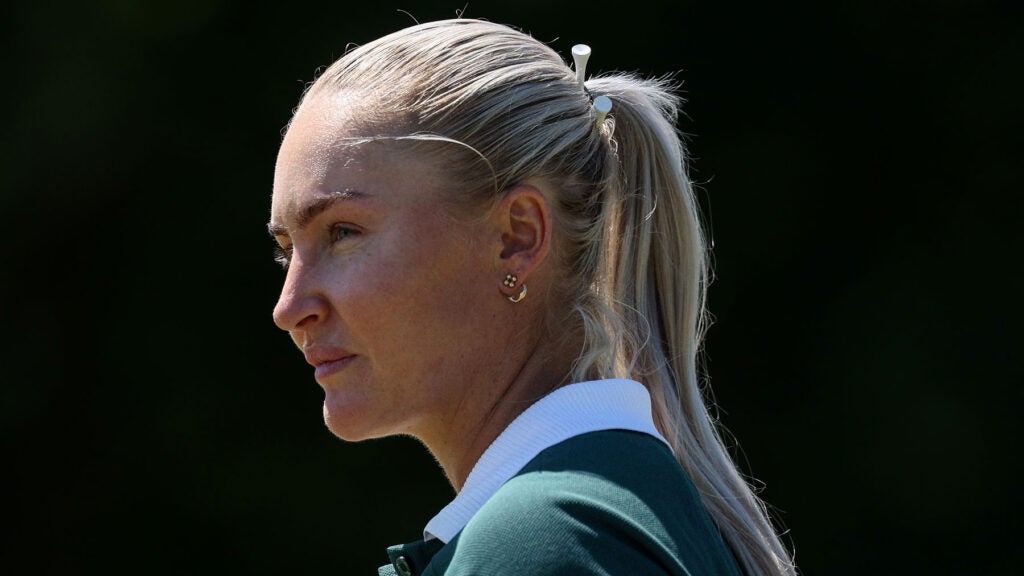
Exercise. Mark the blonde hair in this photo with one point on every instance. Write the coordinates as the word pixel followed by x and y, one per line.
pixel 628 228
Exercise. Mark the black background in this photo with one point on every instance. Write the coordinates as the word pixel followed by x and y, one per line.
pixel 859 166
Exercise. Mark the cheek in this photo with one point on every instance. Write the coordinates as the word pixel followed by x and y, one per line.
pixel 417 299
pixel 423 261
pixel 388 290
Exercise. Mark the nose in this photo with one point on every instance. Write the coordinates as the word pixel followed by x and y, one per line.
pixel 300 305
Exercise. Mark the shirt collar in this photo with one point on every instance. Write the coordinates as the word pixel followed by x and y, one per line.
pixel 569 411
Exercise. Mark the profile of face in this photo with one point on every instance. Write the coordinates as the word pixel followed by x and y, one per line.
pixel 388 293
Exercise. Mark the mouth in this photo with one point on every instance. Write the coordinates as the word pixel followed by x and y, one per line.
pixel 329 367
pixel 327 361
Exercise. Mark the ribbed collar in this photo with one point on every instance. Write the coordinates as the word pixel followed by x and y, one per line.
pixel 567 412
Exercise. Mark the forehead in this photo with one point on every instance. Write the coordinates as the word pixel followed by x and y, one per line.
pixel 324 153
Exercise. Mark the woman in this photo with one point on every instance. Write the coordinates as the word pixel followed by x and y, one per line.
pixel 480 256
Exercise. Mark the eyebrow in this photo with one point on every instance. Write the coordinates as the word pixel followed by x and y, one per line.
pixel 319 204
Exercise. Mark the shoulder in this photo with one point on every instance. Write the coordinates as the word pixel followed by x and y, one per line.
pixel 612 502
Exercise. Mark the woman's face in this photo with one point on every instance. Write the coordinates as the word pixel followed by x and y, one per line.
pixel 387 293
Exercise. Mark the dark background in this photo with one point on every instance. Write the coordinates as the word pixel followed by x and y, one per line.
pixel 859 163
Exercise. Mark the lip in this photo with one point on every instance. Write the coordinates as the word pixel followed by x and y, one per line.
pixel 330 367
pixel 327 361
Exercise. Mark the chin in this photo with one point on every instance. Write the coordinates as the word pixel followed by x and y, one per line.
pixel 352 425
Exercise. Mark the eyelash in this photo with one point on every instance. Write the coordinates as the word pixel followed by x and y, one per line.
pixel 283 255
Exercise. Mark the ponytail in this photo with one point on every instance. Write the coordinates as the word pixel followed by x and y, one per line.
pixel 656 276
pixel 627 225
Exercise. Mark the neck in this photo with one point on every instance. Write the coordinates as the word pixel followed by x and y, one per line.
pixel 486 411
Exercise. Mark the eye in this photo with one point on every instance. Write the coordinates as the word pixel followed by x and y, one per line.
pixel 341 232
pixel 283 256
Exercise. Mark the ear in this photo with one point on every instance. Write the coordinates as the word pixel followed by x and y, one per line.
pixel 524 218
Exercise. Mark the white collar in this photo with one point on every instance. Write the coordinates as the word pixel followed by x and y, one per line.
pixel 569 411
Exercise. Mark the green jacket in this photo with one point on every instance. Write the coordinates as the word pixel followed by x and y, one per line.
pixel 605 503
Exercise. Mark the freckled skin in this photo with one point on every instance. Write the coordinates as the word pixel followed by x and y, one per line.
pixel 413 294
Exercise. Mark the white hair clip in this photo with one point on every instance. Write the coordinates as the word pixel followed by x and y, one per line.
pixel 580 55
pixel 603 105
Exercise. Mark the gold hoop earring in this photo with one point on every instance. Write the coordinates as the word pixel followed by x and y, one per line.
pixel 519 297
